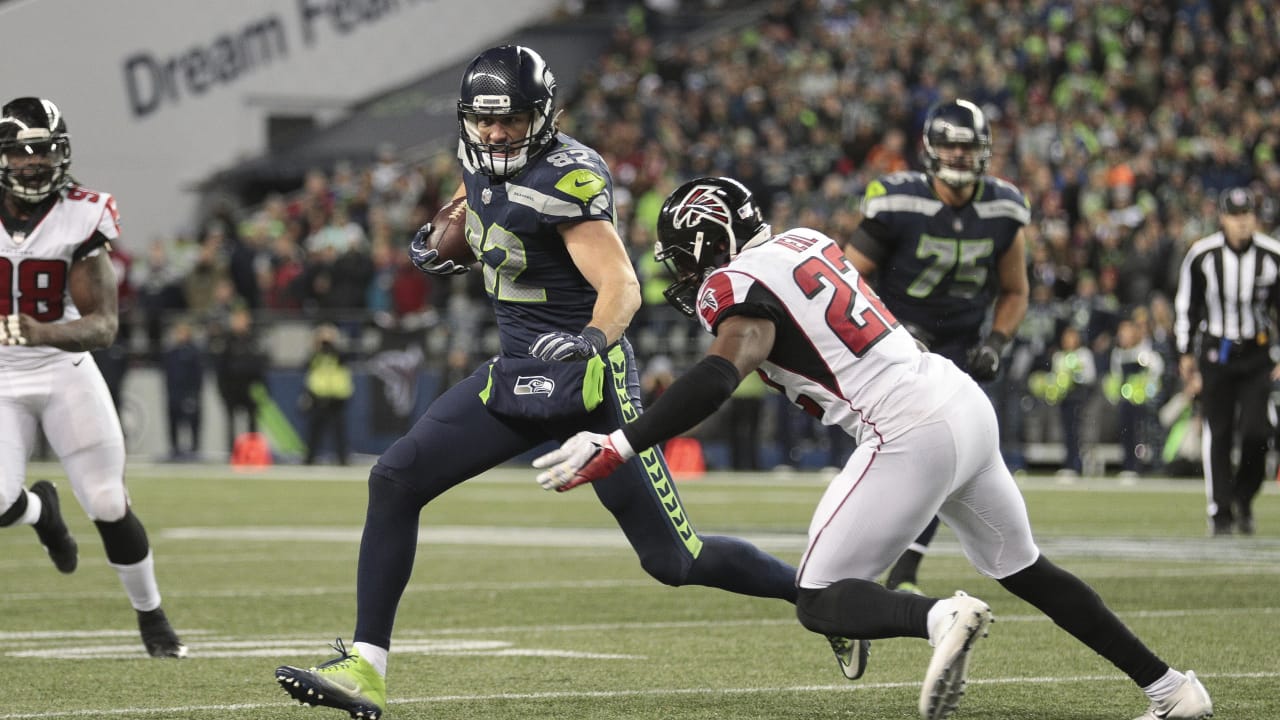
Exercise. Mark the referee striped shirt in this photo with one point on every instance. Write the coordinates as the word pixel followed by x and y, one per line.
pixel 1226 293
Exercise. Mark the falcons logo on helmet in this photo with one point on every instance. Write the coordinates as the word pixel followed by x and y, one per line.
pixel 702 202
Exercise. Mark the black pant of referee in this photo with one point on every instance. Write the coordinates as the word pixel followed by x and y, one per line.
pixel 1235 398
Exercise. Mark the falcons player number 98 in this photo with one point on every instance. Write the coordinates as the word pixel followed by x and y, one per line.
pixel 57 302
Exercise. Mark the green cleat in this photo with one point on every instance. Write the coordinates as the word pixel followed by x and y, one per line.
pixel 347 682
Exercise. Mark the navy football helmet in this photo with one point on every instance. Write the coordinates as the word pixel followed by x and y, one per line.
pixel 703 224
pixel 962 124
pixel 35 149
pixel 506 80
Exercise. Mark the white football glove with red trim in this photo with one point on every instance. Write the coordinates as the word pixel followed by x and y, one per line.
pixel 583 458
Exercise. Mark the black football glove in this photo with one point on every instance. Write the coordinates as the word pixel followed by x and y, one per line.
pixel 563 346
pixel 984 360
pixel 424 258
pixel 923 338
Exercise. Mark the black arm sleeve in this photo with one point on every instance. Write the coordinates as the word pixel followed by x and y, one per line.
pixel 692 398
pixel 874 240
pixel 95 241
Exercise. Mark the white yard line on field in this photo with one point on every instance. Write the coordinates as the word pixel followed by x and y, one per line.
pixel 71 644
pixel 185 710
pixel 1189 550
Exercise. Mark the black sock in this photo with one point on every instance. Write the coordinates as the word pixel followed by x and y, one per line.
pixel 124 540
pixel 907 567
pixel 1076 608
pixel 904 571
pixel 863 609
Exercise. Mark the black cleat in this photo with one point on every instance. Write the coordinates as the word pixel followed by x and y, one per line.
pixel 52 531
pixel 158 636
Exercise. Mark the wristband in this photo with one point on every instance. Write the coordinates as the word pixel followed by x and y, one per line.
pixel 596 337
pixel 621 444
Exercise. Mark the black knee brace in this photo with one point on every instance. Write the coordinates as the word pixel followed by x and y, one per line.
pixel 863 609
pixel 125 540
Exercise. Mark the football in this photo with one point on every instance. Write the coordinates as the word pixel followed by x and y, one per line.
pixel 448 233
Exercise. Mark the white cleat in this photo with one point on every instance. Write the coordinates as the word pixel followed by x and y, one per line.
pixel 1190 702
pixel 954 624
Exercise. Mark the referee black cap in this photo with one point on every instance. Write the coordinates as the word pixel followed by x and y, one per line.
pixel 1236 201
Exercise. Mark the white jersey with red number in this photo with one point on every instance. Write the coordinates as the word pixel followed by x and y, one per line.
pixel 928 441
pixel 839 353
pixel 35 263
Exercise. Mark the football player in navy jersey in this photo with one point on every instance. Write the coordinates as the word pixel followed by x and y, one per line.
pixel 540 220
pixel 58 302
pixel 792 307
pixel 941 246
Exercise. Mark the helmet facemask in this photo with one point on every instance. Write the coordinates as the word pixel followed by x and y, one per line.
pixel 958 169
pixel 689 270
pixel 502 160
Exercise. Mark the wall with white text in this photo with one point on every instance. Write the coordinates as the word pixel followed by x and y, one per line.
pixel 159 94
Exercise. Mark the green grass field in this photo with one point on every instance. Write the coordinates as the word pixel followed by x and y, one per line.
pixel 528 604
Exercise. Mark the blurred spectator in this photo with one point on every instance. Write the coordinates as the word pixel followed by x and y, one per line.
pixel 378 300
pixel 1132 385
pixel 209 271
pixel 249 257
pixel 887 156
pixel 284 289
pixel 184 364
pixel 316 199
pixel 1181 419
pixel 239 363
pixel 1068 384
pixel 324 400
pixel 657 376
pixel 159 280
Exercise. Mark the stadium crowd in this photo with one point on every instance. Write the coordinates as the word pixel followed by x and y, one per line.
pixel 1121 121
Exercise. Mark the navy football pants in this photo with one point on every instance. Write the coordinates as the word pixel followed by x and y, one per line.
pixel 459 438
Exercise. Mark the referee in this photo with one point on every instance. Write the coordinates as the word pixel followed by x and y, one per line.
pixel 1228 288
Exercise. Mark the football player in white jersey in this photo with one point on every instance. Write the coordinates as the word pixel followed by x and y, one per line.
pixel 794 308
pixel 57 303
